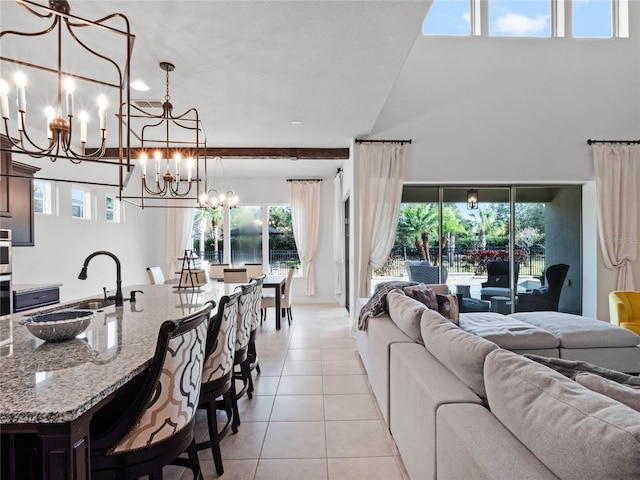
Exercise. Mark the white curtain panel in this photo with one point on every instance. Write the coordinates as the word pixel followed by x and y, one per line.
pixel 179 234
pixel 381 177
pixel 338 231
pixel 617 192
pixel 305 221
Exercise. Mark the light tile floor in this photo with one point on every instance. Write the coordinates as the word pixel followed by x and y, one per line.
pixel 312 416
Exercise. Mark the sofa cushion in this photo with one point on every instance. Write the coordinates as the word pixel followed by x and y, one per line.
pixel 628 395
pixel 575 331
pixel 461 352
pixel 507 332
pixel 423 294
pixel 376 305
pixel 406 313
pixel 577 433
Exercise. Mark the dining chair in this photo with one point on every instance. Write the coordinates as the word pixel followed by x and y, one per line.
pixel 256 303
pixel 148 427
pixel 253 270
pixel 216 271
pixel 156 276
pixel 217 376
pixel 235 275
pixel 243 334
pixel 285 302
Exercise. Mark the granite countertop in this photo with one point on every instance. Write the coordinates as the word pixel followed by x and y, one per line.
pixel 43 382
pixel 25 287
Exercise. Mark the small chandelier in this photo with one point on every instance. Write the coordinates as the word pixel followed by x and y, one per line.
pixel 170 153
pixel 472 199
pixel 213 198
pixel 66 131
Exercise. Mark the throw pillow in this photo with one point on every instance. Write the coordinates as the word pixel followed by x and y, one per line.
pixel 626 394
pixel 377 304
pixel 448 307
pixel 422 294
pixel 571 368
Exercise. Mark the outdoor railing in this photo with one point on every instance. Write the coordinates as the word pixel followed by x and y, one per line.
pixel 456 262
pixel 279 260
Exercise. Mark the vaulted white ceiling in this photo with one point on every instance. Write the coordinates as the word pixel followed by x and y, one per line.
pixel 252 68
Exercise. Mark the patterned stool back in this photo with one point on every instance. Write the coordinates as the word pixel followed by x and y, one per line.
pixel 245 316
pixel 257 300
pixel 219 363
pixel 173 385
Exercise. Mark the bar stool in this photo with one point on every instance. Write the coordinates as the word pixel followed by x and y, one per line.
pixel 140 433
pixel 217 376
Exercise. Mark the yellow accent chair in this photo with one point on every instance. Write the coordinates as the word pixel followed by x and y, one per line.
pixel 624 309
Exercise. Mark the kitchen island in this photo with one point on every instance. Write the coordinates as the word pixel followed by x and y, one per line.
pixel 53 389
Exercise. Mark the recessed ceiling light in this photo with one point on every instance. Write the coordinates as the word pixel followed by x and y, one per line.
pixel 296 122
pixel 140 86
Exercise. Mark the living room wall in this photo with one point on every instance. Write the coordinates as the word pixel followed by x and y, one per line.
pixel 517 110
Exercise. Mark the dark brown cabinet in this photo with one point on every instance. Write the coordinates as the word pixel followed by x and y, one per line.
pixel 16 199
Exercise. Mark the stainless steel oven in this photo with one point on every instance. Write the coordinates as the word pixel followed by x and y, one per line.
pixel 5 251
pixel 6 295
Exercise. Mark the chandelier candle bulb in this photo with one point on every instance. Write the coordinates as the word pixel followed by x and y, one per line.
pixel 21 82
pixel 84 117
pixel 50 116
pixel 102 111
pixel 4 98
pixel 143 164
pixel 69 87
pixel 189 168
pixel 177 157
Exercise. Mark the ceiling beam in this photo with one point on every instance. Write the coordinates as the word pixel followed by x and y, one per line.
pixel 266 153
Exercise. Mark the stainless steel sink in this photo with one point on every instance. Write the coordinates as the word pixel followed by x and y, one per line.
pixel 94 304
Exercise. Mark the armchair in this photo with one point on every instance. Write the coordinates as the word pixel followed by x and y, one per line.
pixel 424 273
pixel 497 283
pixel 545 298
pixel 624 309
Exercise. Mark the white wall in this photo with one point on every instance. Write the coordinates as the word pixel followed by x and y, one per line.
pixel 62 242
pixel 484 110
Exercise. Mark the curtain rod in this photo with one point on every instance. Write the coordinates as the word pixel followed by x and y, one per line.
pixel 304 179
pixel 360 140
pixel 628 142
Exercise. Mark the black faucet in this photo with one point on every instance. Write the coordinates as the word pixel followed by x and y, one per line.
pixel 83 274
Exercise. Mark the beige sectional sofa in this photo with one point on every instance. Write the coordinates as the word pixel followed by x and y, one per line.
pixel 460 406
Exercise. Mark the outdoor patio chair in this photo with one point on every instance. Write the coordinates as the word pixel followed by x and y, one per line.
pixel 545 298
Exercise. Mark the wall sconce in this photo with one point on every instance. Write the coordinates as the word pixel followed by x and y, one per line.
pixel 472 199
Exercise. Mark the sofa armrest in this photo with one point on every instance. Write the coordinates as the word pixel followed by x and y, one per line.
pixel 462 449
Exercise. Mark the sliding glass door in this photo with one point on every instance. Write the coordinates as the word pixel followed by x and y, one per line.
pixel 494 248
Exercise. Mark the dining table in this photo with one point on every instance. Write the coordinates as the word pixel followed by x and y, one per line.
pixel 50 390
pixel 277 282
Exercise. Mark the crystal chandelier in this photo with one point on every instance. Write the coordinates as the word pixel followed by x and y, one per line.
pixel 213 198
pixel 66 130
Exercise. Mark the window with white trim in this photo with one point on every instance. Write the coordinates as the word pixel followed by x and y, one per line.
pixel 112 209
pixel 521 18
pixel 80 203
pixel 593 18
pixel 42 197
pixel 529 18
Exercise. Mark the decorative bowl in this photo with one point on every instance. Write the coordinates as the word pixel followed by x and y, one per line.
pixel 59 326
